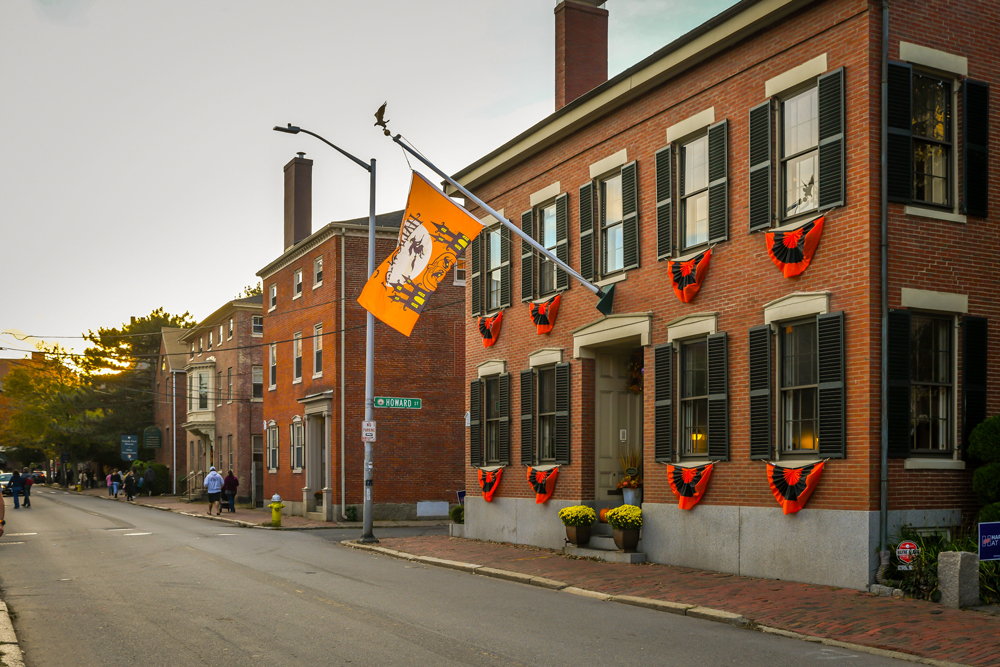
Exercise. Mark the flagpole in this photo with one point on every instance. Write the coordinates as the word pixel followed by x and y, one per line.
pixel 606 298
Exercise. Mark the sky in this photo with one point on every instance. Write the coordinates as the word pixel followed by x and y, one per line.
pixel 138 168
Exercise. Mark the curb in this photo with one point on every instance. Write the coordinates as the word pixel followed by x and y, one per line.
pixel 694 611
pixel 10 651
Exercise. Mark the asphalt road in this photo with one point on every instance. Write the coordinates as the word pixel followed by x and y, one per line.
pixel 97 583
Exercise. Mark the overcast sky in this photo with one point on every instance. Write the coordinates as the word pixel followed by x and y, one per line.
pixel 138 168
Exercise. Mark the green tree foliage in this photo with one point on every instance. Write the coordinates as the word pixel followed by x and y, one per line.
pixel 985 445
pixel 250 290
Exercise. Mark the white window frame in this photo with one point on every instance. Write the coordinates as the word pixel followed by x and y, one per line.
pixel 296 447
pixel 253 382
pixel 230 383
pixel 221 329
pixel 273 297
pixel 210 334
pixel 318 350
pixel 317 271
pixel 297 284
pixel 600 229
pixel 460 266
pixel 273 367
pixel 783 217
pixel 273 447
pixel 297 357
pixel 230 329
pixel 542 263
pixel 257 334
pixel 218 389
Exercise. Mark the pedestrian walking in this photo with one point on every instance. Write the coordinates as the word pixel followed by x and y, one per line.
pixel 28 481
pixel 110 492
pixel 150 477
pixel 15 485
pixel 229 487
pixel 213 482
pixel 3 510
pixel 130 486
pixel 116 481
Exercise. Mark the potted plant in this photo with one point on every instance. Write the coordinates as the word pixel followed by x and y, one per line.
pixel 578 519
pixel 626 520
pixel 631 481
pixel 318 495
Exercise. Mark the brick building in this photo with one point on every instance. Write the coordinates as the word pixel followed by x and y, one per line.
pixel 224 408
pixel 170 405
pixel 314 351
pixel 765 119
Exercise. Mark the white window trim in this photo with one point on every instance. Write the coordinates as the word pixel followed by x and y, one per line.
pixel 256 335
pixel 296 423
pixel 274 385
pixel 917 463
pixel 928 57
pixel 317 374
pixel 616 278
pixel 949 302
pixel 608 164
pixel 320 282
pixel 544 195
pixel 296 281
pixel 296 341
pixel 797 75
pixel 698 325
pixel 491 367
pixel 273 288
pixel 270 444
pixel 796 305
pixel 459 282
pixel 545 357
pixel 695 123
pixel 232 328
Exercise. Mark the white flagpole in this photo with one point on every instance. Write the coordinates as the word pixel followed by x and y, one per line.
pixel 604 305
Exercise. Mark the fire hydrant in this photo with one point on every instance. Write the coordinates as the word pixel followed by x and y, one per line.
pixel 276 507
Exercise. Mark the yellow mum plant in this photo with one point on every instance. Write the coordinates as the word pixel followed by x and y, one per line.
pixel 578 515
pixel 625 517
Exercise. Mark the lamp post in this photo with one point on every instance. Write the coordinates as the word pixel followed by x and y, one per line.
pixel 367 537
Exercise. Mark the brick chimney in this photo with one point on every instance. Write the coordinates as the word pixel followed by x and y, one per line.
pixel 298 200
pixel 581 48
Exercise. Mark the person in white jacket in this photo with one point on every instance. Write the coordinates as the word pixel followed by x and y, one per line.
pixel 214 482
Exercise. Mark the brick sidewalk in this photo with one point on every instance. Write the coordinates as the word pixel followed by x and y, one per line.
pixel 908 626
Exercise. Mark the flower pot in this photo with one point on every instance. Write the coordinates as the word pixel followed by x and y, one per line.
pixel 626 539
pixel 632 496
pixel 578 535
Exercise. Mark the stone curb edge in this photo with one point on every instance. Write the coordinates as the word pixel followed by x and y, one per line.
pixel 694 611
pixel 10 650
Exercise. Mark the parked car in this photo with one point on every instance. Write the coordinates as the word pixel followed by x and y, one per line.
pixel 4 481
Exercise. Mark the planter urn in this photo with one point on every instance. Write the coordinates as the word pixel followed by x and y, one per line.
pixel 626 539
pixel 578 535
pixel 632 496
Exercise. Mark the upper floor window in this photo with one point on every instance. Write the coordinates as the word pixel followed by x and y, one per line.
pixel 201 345
pixel 273 292
pixel 192 350
pixel 612 237
pixel 218 388
pixel 460 271
pixel 800 153
pixel 229 394
pixel 547 237
pixel 258 324
pixel 493 270
pixel 230 328
pixel 931 140
pixel 490 259
pixel 297 284
pixel 163 365
pixel 258 381
pixel 297 349
pixel 694 192
pixel 318 271
pixel 273 366
pixel 202 391
pixel 209 340
pixel 318 350
pixel 220 335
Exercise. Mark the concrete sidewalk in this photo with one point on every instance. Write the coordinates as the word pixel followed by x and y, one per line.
pixel 918 631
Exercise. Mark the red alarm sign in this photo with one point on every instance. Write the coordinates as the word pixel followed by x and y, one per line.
pixel 906 552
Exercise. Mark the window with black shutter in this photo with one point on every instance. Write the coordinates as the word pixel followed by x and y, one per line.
pixel 831 388
pixel 761 208
pixel 527 258
pixel 974 342
pixel 975 147
pixel 475 424
pixel 664 203
pixel 718 397
pixel 618 223
pixel 549 225
pixel 562 435
pixel 587 230
pixel 761 415
pixel 931 384
pixel 898 382
pixel 663 376
pixel 475 250
pixel 528 417
pixel 562 240
pixel 718 182
pixel 546 377
pixel 694 398
pixel 503 446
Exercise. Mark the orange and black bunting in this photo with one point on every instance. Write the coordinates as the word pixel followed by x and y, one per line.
pixel 488 482
pixel 543 482
pixel 792 251
pixel 544 314
pixel 687 277
pixel 489 328
pixel 688 484
pixel 435 231
pixel 793 486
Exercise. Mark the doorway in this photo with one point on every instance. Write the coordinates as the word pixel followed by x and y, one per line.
pixel 617 423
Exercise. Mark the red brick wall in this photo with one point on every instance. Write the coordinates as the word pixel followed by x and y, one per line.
pixel 418 453
pixel 163 414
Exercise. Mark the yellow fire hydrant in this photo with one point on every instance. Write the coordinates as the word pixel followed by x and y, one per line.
pixel 276 507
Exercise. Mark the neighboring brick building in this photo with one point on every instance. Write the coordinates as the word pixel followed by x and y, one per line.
pixel 170 405
pixel 225 389
pixel 760 120
pixel 314 353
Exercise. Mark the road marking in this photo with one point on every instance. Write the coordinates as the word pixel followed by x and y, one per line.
pixel 19 534
pixel 220 534
pixel 134 534
pixel 9 543
pixel 121 529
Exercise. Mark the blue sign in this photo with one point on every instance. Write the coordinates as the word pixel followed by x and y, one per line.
pixel 989 541
pixel 130 447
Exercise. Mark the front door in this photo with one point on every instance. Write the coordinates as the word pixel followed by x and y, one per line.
pixel 618 423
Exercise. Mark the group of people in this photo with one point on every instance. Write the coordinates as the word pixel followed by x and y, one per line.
pixel 130 484
pixel 20 483
pixel 216 485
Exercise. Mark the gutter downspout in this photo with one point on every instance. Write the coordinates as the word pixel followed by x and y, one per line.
pixel 884 268
pixel 343 370
pixel 173 427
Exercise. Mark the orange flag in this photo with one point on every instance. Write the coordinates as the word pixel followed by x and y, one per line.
pixel 435 231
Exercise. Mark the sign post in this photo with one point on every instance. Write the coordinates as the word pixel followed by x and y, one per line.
pixel 130 447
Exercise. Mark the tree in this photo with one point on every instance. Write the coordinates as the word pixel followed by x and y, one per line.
pixel 250 290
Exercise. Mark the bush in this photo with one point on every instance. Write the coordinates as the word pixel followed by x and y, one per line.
pixel 351 513
pixel 578 515
pixel 986 482
pixel 984 441
pixel 922 581
pixel 457 514
pixel 625 517
pixel 162 484
pixel 990 513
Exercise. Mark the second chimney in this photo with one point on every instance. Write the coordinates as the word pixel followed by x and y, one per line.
pixel 581 48
pixel 298 200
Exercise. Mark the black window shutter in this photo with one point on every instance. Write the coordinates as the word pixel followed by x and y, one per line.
pixel 504 267
pixel 898 383
pixel 562 239
pixel 761 208
pixel 527 259
pixel 899 153
pixel 477 291
pixel 718 399
pixel 761 412
pixel 664 202
pixel 587 230
pixel 630 215
pixel 475 430
pixel 974 343
pixel 975 147
pixel 663 376
pixel 504 419
pixel 832 188
pixel 562 414
pixel 528 417
pixel 832 387
pixel 718 182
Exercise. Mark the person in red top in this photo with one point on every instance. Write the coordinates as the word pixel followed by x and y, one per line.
pixel 229 486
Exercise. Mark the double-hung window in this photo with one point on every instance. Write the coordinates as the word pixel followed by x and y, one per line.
pixel 272 447
pixel 258 381
pixel 694 398
pixel 490 256
pixel 800 153
pixel 273 366
pixel 694 192
pixel 493 270
pixel 202 391
pixel 460 271
pixel 548 224
pixel 547 237
pixel 931 140
pixel 612 241
pixel 201 345
pixel 297 351
pixel 545 400
pixel 209 341
pixel 489 413
pixel 218 388
pixel 491 446
pixel 220 334
pixel 297 287
pixel 258 325
pixel 230 329
pixel 317 350
pixel 297 447
pixel 230 384
pixel 318 271
pixel 229 441
pixel 931 389
pixel 799 381
pixel 546 414
pixel 273 297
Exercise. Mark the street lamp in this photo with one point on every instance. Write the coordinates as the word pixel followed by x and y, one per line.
pixel 367 537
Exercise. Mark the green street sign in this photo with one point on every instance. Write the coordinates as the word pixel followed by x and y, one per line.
pixel 394 402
